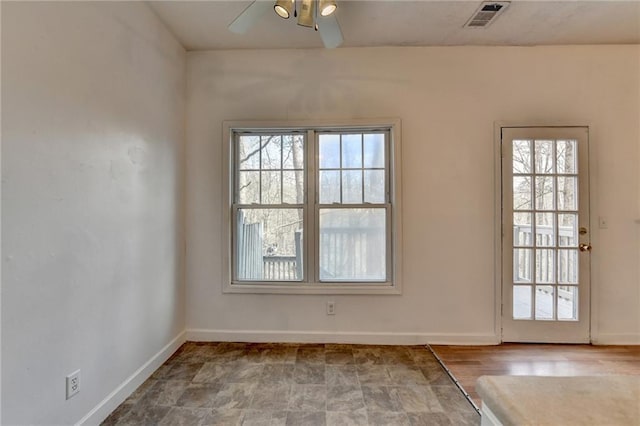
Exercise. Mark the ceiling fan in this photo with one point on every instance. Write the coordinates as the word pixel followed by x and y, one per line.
pixel 317 14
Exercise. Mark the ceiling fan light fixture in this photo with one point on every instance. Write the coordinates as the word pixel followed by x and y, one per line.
pixel 306 16
pixel 309 16
pixel 327 7
pixel 283 8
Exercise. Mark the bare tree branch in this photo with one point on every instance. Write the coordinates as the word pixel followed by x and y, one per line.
pixel 260 147
pixel 244 186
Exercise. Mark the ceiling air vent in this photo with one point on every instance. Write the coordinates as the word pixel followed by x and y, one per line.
pixel 486 14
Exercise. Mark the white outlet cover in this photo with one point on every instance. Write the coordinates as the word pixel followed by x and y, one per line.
pixel 331 308
pixel 73 383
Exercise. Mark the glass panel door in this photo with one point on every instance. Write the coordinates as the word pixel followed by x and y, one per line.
pixel 545 234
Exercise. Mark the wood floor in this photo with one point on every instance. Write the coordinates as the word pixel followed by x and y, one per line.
pixel 467 363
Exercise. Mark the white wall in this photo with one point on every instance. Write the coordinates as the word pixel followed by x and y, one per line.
pixel 92 166
pixel 448 100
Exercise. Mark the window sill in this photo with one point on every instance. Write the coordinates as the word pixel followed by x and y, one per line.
pixel 346 288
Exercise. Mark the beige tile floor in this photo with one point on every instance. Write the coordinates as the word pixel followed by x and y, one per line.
pixel 297 384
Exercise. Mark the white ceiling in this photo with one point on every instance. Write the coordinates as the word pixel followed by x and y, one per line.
pixel 202 25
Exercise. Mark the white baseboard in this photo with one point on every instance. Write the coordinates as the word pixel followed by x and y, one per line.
pixel 126 388
pixel 372 338
pixel 616 339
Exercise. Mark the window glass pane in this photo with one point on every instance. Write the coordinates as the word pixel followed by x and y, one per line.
pixel 329 151
pixel 374 150
pixel 521 156
pixel 522 193
pixel 351 151
pixel 568 303
pixel 522 261
pixel 545 266
pixel 567 155
pixel 522 229
pixel 522 302
pixel 544 193
pixel 567 193
pixel 568 230
pixel 249 152
pixel 293 187
pixel 271 150
pixel 374 186
pixel 329 186
pixel 352 244
pixel 568 266
pixel 545 230
pixel 544 157
pixel 293 152
pixel 269 244
pixel 270 188
pixel 544 302
pixel 249 187
pixel 352 186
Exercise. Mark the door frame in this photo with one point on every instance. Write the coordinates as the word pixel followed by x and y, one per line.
pixel 497 226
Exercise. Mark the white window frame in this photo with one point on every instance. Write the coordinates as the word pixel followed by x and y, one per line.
pixel 311 283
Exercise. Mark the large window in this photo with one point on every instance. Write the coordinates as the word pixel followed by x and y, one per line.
pixel 312 209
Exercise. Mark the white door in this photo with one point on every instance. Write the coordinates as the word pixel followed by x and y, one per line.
pixel 545 234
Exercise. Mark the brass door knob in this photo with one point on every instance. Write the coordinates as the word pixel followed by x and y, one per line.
pixel 585 247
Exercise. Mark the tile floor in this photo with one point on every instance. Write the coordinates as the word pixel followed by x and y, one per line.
pixel 291 384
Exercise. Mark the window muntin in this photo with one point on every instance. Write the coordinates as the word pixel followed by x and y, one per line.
pixel 270 169
pixel 352 168
pixel 319 201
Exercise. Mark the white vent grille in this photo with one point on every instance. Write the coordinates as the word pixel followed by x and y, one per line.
pixel 486 14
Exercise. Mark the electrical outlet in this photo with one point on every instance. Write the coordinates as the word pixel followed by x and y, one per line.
pixel 73 384
pixel 603 222
pixel 331 308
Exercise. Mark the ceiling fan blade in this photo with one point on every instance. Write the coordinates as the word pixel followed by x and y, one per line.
pixel 329 30
pixel 250 16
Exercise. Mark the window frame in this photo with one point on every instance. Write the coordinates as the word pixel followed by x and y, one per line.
pixel 311 283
